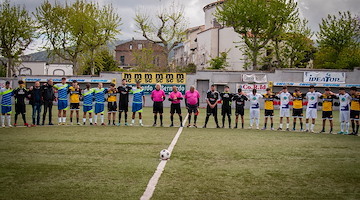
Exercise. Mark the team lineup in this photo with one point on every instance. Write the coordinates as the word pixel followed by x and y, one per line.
pixel 94 99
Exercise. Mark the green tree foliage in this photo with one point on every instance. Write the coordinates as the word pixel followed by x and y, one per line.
pixel 17 31
pixel 102 60
pixel 190 68
pixel 219 62
pixel 167 28
pixel 71 29
pixel 339 42
pixel 257 21
pixel 146 61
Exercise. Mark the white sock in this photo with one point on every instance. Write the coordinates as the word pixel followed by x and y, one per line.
pixel 342 126
pixel 140 121
pixel 287 125
pixel 312 126
pixel 307 126
pixel 133 121
pixel 251 121
pixel 280 126
pixel 8 117
pixel 2 119
pixel 102 118
pixel 90 120
pixel 95 119
pixel 347 126
pixel 59 119
pixel 257 122
pixel 84 120
pixel 64 119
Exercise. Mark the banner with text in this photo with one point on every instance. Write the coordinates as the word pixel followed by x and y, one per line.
pixel 148 88
pixel 324 77
pixel 153 78
pixel 247 88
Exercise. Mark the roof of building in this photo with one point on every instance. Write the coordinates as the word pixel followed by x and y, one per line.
pixel 210 5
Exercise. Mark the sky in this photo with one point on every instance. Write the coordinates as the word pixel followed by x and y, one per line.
pixel 313 10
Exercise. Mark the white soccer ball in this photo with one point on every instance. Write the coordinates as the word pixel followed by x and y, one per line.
pixel 164 154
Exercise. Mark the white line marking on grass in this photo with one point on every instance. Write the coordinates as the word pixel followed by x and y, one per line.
pixel 160 168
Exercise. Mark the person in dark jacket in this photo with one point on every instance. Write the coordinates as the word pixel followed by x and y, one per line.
pixel 20 95
pixel 36 102
pixel 48 96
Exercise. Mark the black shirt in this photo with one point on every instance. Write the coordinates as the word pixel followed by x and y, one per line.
pixel 35 95
pixel 20 94
pixel 212 96
pixel 124 93
pixel 47 92
pixel 240 99
pixel 226 98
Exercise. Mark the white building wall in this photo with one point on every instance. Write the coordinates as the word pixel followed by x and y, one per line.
pixel 60 69
pixel 229 41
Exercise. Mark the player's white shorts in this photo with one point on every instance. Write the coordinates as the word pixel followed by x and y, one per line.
pixel 284 112
pixel 311 113
pixel 344 116
pixel 255 113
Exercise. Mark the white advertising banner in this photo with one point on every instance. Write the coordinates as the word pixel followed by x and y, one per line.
pixel 324 77
pixel 247 88
pixel 254 78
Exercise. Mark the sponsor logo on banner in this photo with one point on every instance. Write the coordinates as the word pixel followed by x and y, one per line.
pixel 324 77
pixel 148 88
pixel 247 88
pixel 69 80
pixel 153 78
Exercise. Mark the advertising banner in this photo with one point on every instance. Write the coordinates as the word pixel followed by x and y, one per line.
pixel 148 88
pixel 153 78
pixel 247 88
pixel 324 77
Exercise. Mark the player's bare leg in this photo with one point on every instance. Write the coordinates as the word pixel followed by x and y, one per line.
pixel 287 123
pixel 281 125
pixel 265 123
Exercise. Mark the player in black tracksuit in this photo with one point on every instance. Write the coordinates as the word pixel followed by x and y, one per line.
pixel 123 90
pixel 48 96
pixel 226 98
pixel 212 97
pixel 20 94
pixel 239 99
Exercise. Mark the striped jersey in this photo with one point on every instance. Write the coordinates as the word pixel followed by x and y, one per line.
pixel 62 90
pixel 88 95
pixel 99 95
pixel 138 94
pixel 6 94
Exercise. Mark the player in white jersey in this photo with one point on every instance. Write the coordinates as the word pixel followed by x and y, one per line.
pixel 254 108
pixel 345 100
pixel 284 97
pixel 311 110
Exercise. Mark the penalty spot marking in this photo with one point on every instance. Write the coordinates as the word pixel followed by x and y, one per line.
pixel 160 168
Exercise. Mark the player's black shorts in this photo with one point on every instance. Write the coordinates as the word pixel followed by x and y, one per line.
pixel 239 110
pixel 354 114
pixel 298 113
pixel 20 108
pixel 175 108
pixel 327 115
pixel 158 107
pixel 192 108
pixel 211 111
pixel 123 106
pixel 226 111
pixel 269 113
pixel 112 107
pixel 74 106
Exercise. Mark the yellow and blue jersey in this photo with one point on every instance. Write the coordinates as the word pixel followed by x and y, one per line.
pixel 62 90
pixel 138 95
pixel 100 95
pixel 88 95
pixel 6 94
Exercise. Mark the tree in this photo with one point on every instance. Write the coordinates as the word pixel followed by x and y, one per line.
pixel 167 28
pixel 338 38
pixel 219 62
pixel 72 29
pixel 144 59
pixel 16 33
pixel 102 60
pixel 257 21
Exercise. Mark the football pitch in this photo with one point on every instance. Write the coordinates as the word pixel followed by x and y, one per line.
pixel 88 162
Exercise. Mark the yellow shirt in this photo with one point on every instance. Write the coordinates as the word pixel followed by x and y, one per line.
pixel 74 95
pixel 298 101
pixel 355 102
pixel 111 96
pixel 327 102
pixel 269 101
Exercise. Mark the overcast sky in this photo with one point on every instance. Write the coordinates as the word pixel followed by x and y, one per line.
pixel 313 10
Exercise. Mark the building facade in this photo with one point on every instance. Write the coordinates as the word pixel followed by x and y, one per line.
pixel 44 68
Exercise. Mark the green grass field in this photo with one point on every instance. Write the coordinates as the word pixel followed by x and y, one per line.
pixel 83 162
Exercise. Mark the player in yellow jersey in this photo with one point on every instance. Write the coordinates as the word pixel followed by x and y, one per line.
pixel 327 108
pixel 112 108
pixel 298 98
pixel 75 93
pixel 269 98
pixel 354 110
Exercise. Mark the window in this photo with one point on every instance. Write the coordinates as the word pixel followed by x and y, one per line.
pixel 25 71
pixel 140 46
pixel 130 47
pixel 59 72
pixel 122 60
